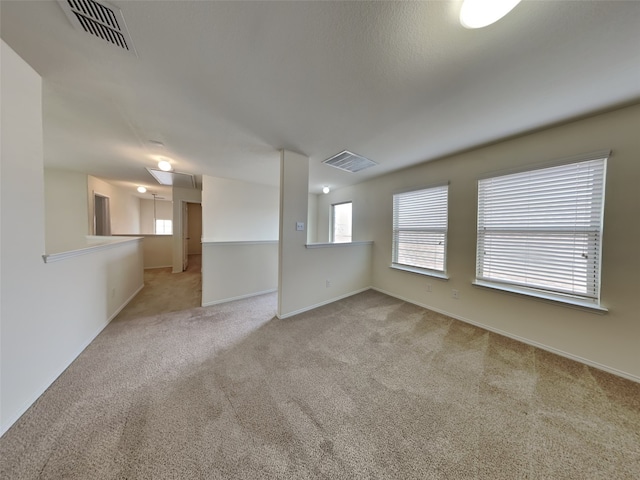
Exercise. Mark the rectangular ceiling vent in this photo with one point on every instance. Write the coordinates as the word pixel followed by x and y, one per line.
pixel 176 179
pixel 349 162
pixel 99 19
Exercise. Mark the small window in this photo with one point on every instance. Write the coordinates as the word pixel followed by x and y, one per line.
pixel 540 231
pixel 420 230
pixel 164 227
pixel 341 222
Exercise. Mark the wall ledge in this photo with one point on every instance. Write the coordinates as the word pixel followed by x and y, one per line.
pixel 108 243
pixel 343 244
pixel 206 241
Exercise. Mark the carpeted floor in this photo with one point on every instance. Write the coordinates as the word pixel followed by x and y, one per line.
pixel 367 387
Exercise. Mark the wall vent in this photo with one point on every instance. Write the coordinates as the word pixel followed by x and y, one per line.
pixel 99 19
pixel 349 161
pixel 176 179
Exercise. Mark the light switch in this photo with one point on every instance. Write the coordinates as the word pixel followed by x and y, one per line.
pixel 300 226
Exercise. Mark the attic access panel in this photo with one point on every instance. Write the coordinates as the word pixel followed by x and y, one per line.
pixel 176 179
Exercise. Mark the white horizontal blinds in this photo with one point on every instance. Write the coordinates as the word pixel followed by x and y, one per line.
pixel 542 228
pixel 420 228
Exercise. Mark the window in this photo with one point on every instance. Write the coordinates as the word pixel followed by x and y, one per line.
pixel 164 227
pixel 420 230
pixel 341 222
pixel 542 230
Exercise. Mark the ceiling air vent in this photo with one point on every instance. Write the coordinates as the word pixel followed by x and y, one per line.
pixel 349 162
pixel 99 19
pixel 182 180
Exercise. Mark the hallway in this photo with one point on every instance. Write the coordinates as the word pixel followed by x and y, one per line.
pixel 165 291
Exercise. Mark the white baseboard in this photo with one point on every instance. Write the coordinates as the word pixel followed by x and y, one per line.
pixel 159 266
pixel 533 343
pixel 311 307
pixel 241 297
pixel 14 418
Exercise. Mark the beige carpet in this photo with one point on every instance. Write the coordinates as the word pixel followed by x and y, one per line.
pixel 368 387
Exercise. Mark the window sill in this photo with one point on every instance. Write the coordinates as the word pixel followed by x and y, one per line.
pixel 571 302
pixel 420 271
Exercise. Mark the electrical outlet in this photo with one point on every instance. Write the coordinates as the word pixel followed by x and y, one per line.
pixel 428 287
pixel 328 283
pixel 455 294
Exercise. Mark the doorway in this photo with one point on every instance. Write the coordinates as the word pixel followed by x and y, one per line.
pixel 101 215
pixel 191 236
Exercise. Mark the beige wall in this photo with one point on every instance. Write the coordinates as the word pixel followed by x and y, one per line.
pixel 238 211
pixel 240 235
pixel 66 209
pixel 125 207
pixel 612 340
pixel 164 211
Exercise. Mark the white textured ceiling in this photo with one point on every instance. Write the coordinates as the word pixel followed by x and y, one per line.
pixel 225 85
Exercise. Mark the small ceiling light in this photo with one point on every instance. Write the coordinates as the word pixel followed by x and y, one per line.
pixel 325 189
pixel 141 189
pixel 480 13
pixel 164 166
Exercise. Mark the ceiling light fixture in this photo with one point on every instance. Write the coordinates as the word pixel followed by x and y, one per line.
pixel 141 189
pixel 480 13
pixel 325 189
pixel 164 166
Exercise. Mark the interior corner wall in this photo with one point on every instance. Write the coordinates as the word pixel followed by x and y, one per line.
pixel 66 209
pixel 310 277
pixel 608 341
pixel 124 206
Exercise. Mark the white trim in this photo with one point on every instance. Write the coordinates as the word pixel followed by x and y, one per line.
pixel 334 299
pixel 531 292
pixel 420 271
pixel 533 343
pixel 339 244
pixel 206 241
pixel 27 404
pixel 162 266
pixel 56 257
pixel 241 297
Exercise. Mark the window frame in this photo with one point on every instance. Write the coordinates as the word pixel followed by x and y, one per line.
pixel 592 237
pixel 414 268
pixel 332 233
pixel 164 220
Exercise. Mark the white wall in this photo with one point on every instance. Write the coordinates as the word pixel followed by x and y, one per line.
pixel 610 341
pixel 312 219
pixel 164 211
pixel 235 210
pixel 66 209
pixel 240 239
pixel 304 272
pixel 124 206
pixel 49 312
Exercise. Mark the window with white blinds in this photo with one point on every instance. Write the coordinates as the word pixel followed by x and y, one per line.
pixel 542 230
pixel 420 229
